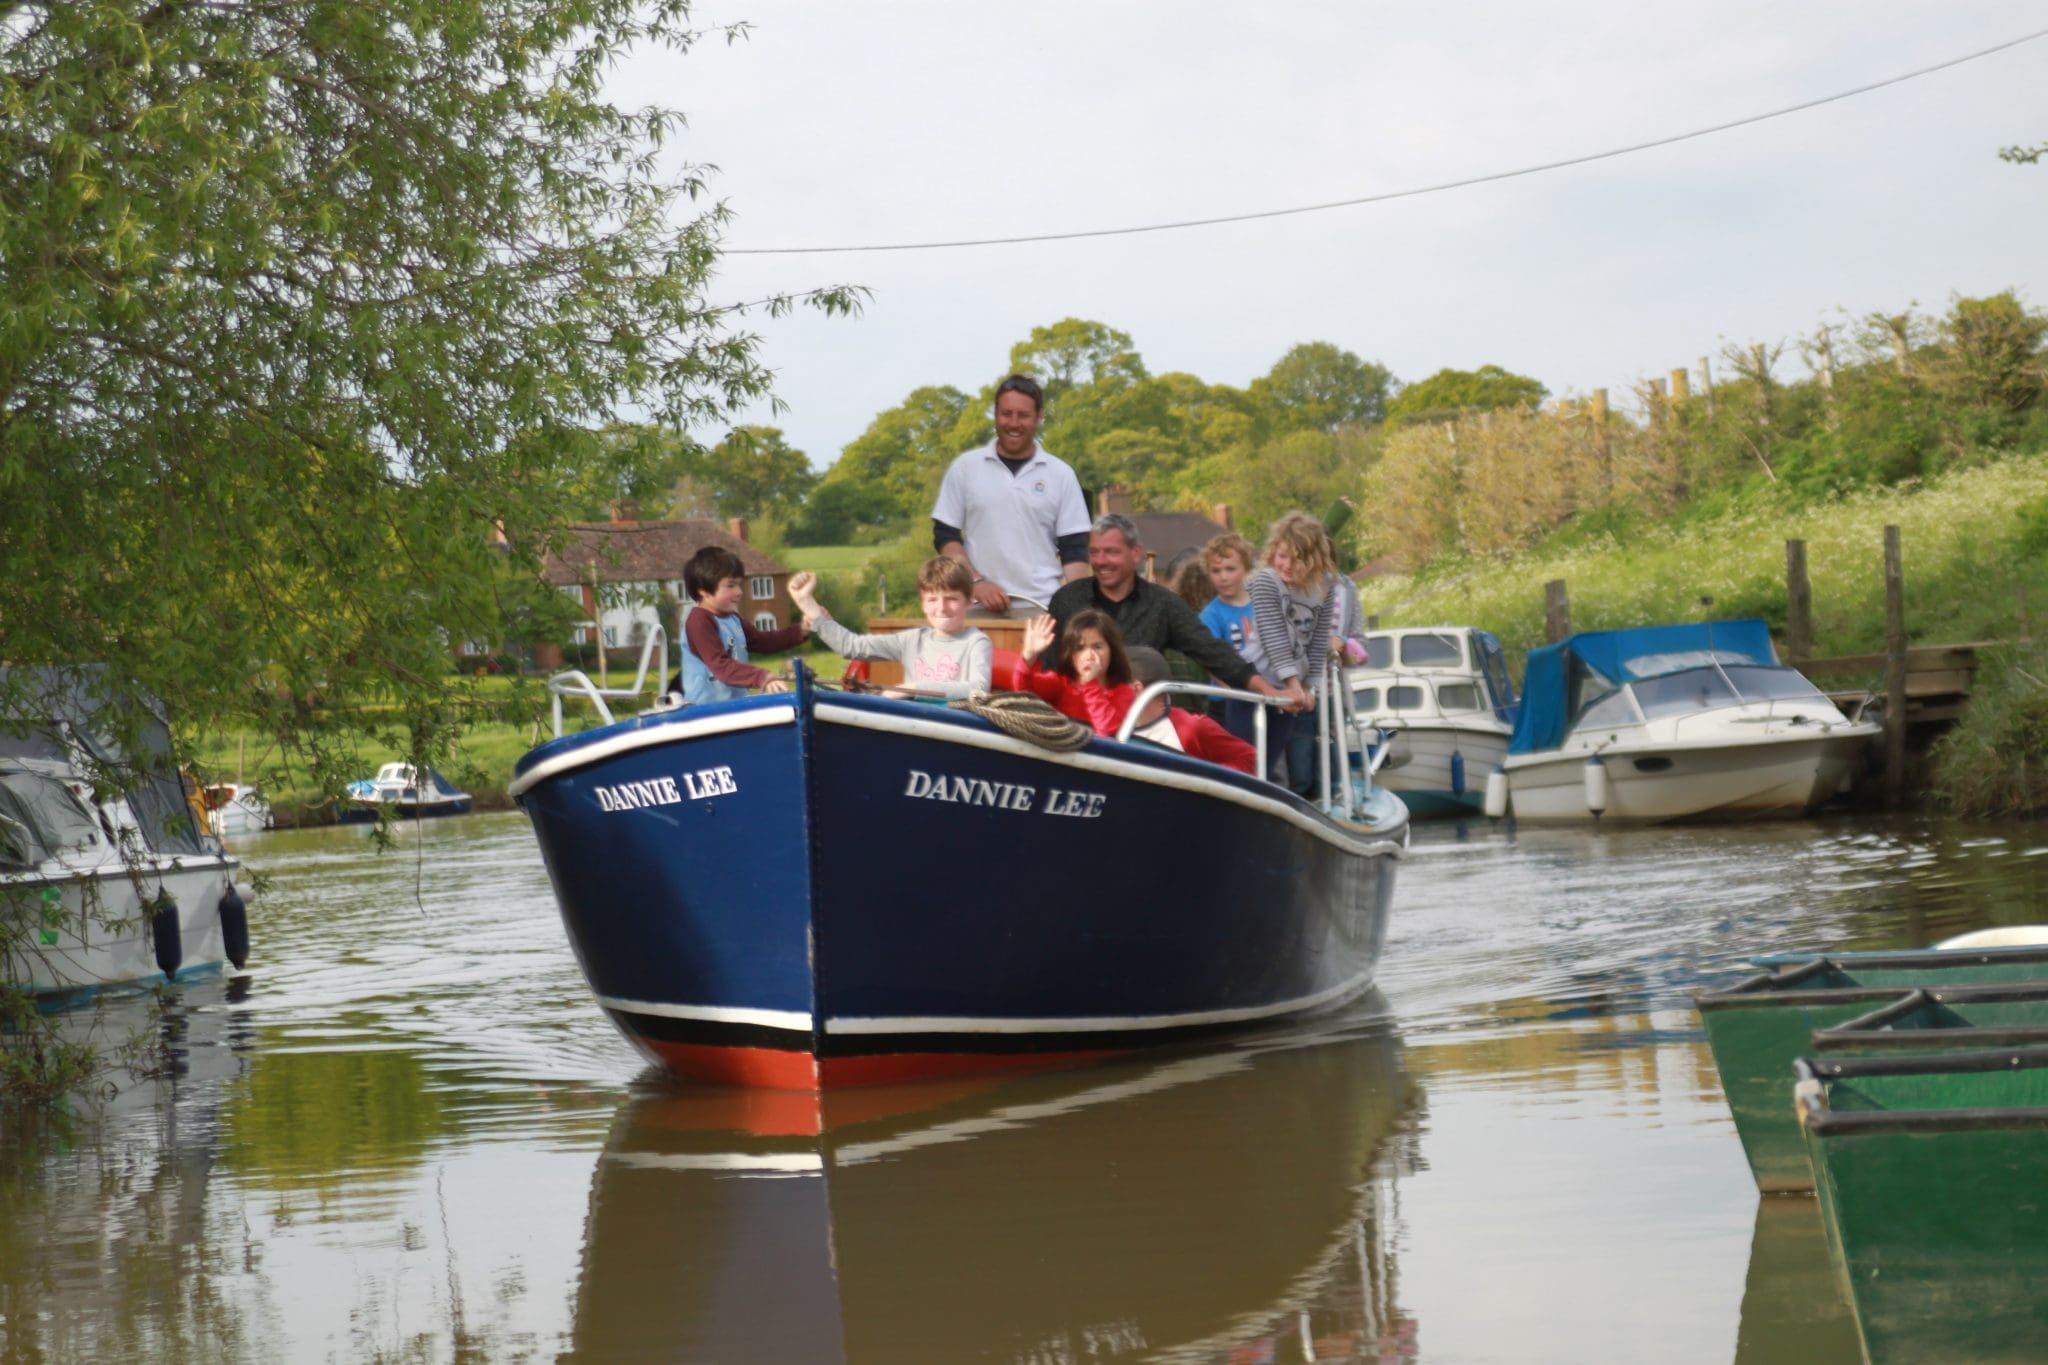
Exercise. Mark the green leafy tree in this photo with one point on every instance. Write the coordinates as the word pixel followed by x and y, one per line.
pixel 756 472
pixel 840 512
pixel 901 456
pixel 1321 386
pixel 1447 393
pixel 1076 354
pixel 1991 353
pixel 302 305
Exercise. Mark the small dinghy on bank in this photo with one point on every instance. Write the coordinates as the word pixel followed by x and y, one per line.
pixel 811 889
pixel 1928 1172
pixel 1759 1026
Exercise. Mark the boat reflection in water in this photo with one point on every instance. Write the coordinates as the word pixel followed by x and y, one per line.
pixel 1224 1205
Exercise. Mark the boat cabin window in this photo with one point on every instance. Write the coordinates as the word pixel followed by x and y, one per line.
pixel 1366 698
pixel 1615 708
pixel 1406 698
pixel 48 813
pixel 1693 689
pixel 1458 697
pixel 1771 684
pixel 1379 651
pixel 1431 650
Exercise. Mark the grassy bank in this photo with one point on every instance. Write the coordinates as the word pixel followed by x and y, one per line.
pixel 1972 541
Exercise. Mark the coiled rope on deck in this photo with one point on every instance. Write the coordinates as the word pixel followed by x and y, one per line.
pixel 1028 717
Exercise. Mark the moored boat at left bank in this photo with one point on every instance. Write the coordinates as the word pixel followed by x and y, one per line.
pixel 106 877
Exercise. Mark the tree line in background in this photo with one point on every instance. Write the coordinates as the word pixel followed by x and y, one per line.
pixel 1305 430
pixel 1470 463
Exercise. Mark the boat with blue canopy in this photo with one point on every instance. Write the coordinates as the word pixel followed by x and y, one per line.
pixel 1680 722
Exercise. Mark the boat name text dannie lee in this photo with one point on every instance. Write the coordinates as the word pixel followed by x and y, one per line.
pixel 976 791
pixel 664 791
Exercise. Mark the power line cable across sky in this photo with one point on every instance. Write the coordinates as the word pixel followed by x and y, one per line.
pixel 1387 195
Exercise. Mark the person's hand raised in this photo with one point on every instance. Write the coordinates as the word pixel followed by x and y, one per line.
pixel 1038 633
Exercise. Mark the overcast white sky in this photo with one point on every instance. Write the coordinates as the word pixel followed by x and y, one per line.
pixel 913 120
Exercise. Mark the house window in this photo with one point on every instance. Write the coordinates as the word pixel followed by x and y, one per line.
pixel 765 622
pixel 611 637
pixel 472 648
pixel 761 587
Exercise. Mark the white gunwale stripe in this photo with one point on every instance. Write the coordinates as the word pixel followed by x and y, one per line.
pixel 796 1020
pixel 744 1163
pixel 1350 839
pixel 1129 1023
pixel 647 736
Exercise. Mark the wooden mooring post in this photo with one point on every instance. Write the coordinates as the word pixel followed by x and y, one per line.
pixel 1894 670
pixel 1557 611
pixel 1798 605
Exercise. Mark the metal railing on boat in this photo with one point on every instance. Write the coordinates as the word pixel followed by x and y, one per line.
pixel 576 683
pixel 1337 725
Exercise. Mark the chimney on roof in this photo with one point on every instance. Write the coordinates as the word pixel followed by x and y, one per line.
pixel 1220 514
pixel 1114 497
pixel 625 511
pixel 736 527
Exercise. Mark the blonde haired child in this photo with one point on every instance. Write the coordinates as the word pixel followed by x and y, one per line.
pixel 1294 602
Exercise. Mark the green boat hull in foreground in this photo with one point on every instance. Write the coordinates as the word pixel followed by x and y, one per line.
pixel 1757 1027
pixel 1929 1174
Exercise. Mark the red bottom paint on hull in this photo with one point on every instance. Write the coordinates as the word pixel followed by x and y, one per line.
pixel 775 1069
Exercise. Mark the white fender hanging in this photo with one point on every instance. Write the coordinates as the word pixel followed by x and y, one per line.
pixel 1496 793
pixel 1596 785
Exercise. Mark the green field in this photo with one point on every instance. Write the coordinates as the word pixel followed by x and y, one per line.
pixel 829 558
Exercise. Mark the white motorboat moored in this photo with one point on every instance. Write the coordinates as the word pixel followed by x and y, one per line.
pixel 1679 722
pixel 105 876
pixel 1440 700
pixel 398 788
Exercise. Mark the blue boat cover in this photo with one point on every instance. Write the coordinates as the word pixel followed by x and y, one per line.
pixel 1558 680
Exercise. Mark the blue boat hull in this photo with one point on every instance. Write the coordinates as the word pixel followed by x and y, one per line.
pixel 809 890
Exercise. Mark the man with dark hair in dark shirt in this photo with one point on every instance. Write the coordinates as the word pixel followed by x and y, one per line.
pixel 1145 612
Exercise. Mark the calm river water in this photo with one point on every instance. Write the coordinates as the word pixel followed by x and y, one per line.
pixel 407 1134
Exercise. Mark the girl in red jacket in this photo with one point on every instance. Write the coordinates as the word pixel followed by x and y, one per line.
pixel 1091 681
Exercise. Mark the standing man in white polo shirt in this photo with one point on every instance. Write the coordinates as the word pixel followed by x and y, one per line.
pixel 1012 513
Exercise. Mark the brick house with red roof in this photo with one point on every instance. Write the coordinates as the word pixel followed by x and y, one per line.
pixel 627 574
